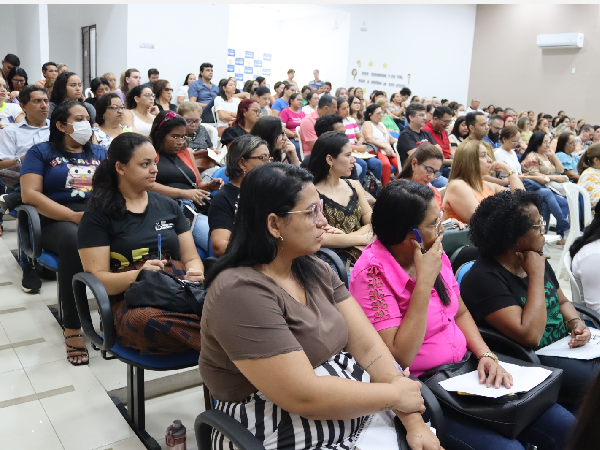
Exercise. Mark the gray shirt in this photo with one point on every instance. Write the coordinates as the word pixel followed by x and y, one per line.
pixel 17 139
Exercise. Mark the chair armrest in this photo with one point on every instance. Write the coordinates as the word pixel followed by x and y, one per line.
pixel 104 309
pixel 593 315
pixel 502 344
pixel 435 412
pixel 235 431
pixel 30 230
pixel 336 261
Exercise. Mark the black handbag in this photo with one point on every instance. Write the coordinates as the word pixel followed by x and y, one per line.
pixel 163 290
pixel 508 415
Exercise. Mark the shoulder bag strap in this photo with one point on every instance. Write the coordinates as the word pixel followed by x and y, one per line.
pixel 174 161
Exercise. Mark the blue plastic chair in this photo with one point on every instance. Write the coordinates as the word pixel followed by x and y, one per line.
pixel 220 173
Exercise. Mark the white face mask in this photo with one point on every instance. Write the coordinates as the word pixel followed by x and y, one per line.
pixel 82 131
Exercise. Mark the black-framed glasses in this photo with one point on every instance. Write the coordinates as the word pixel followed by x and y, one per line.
pixel 541 225
pixel 169 89
pixel 262 158
pixel 313 209
pixel 430 170
pixel 193 122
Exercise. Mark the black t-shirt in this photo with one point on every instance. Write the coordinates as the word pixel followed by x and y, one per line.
pixel 135 235
pixel 409 139
pixel 489 287
pixel 231 133
pixel 169 175
pixel 223 208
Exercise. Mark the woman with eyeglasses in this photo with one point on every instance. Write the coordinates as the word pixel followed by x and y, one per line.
pixel 423 166
pixel 270 129
pixel 345 204
pixel 197 137
pixel 163 94
pixel 466 187
pixel 247 114
pixel 565 148
pixel 178 176
pixel 141 110
pixel 244 154
pixel 283 342
pixel 355 112
pixel 68 87
pixel 513 289
pixel 16 81
pixel 109 117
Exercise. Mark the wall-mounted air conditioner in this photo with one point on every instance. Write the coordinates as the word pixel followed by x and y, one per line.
pixel 563 40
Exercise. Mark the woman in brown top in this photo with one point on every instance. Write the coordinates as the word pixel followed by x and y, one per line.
pixel 284 343
pixel 345 204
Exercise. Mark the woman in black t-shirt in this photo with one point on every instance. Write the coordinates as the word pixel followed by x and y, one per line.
pixel 247 114
pixel 121 228
pixel 245 153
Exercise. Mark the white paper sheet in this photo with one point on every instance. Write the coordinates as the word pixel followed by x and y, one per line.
pixel 590 350
pixel 551 238
pixel 524 378
pixel 218 157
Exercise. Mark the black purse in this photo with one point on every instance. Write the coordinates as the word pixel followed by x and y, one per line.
pixel 508 415
pixel 199 209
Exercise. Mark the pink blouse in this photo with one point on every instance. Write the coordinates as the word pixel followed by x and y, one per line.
pixel 291 119
pixel 383 289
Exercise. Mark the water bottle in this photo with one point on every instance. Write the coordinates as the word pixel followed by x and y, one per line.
pixel 175 437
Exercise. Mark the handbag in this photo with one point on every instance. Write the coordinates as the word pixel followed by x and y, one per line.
pixel 371 184
pixel 508 415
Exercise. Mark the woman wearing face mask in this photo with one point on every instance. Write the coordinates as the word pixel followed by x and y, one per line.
pixel 56 178
pixel 141 110
pixel 109 116
pixel 68 87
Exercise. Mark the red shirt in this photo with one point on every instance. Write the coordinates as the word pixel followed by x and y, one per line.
pixel 440 138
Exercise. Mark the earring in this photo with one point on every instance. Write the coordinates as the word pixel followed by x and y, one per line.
pixel 330 167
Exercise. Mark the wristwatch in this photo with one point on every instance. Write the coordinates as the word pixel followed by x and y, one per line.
pixel 510 173
pixel 18 162
pixel 489 355
pixel 547 179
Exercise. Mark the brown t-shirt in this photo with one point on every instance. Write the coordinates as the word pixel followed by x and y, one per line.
pixel 247 315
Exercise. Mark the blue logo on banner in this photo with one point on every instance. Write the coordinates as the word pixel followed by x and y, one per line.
pixel 230 68
pixel 239 76
pixel 239 61
pixel 230 52
pixel 267 72
pixel 257 63
pixel 267 56
pixel 250 55
pixel 247 69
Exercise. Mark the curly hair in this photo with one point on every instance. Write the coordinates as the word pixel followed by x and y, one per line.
pixel 500 220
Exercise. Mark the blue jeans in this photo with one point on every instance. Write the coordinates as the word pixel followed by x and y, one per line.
pixel 201 229
pixel 553 204
pixel 440 182
pixel 297 145
pixel 361 169
pixel 549 432
pixel 375 166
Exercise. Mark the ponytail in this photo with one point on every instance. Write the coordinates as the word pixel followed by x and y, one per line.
pixel 587 159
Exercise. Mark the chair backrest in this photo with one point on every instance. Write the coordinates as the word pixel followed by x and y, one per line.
pixel 88 93
pixel 576 296
pixel 573 201
pixel 300 142
pixel 214 113
pixel 214 135
pixel 462 270
pixel 220 173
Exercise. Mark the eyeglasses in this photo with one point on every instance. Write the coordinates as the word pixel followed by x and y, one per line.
pixel 445 122
pixel 541 226
pixel 261 158
pixel 169 89
pixel 178 138
pixel 116 108
pixel 15 81
pixel 257 111
pixel 193 122
pixel 430 170
pixel 314 210
pixel 496 129
pixel 149 95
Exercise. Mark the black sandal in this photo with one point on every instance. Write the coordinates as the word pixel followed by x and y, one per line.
pixel 83 352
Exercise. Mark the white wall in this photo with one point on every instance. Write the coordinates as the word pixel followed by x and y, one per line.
pixel 432 43
pixel 180 46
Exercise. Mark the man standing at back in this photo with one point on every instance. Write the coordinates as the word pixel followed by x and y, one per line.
pixel 202 90
pixel 308 136
pixel 11 61
pixel 290 80
pixel 316 84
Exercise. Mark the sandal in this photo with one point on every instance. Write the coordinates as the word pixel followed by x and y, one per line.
pixel 81 351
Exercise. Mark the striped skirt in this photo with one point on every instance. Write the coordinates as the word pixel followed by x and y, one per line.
pixel 278 429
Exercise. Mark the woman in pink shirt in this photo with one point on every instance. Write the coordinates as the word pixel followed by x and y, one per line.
pixel 409 293
pixel 291 117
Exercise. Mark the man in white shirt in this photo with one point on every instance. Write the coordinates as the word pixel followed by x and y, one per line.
pixel 474 105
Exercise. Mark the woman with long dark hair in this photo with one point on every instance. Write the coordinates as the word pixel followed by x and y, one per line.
pixel 375 133
pixel 459 132
pixel 99 86
pixel 163 95
pixel 271 130
pixel 182 93
pixel 226 105
pixel 565 148
pixel 119 232
pixel 16 80
pixel 277 318
pixel 247 114
pixel 141 110
pixel 56 178
pixel 68 87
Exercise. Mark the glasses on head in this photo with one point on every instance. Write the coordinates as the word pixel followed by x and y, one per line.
pixel 262 158
pixel 193 122
pixel 541 226
pixel 116 108
pixel 314 210
pixel 430 170
pixel 149 95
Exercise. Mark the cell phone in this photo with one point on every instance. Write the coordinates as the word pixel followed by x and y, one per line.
pixel 419 240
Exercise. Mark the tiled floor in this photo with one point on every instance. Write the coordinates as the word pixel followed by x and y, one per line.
pixel 45 403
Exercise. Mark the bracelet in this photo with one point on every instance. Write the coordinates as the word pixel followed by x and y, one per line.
pixel 569 321
pixel 489 355
pixel 510 173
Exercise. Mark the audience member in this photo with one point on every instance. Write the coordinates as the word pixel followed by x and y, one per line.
pixel 56 178
pixel 99 87
pixel 121 220
pixel 423 166
pixel 422 318
pixel 359 93
pixel 565 149
pixel 245 153
pixel 512 288
pixel 341 92
pixel 49 71
pixel 426 101
pixel 268 255
pixel 429 108
pixel 542 125
pixel 270 129
pixel 10 113
pixel 262 95
pixel 141 110
pixel 327 105
pixel 377 135
pixel 326 89
pixel 153 77
pixel 203 90
pixel 312 99
pixel 474 106
pixel 355 109
pixel 306 89
pixel 183 92
pixel 524 126
pixel 467 188
pixel 387 120
pixel 440 121
pixel 9 62
pixel 510 138
pixel 316 84
pixel 129 79
pixel 279 86
pixel 62 68
pixel 458 110
pixel 413 135
pixel 584 138
pixel 589 172
pixel 262 81
pixel 226 105
pixel 198 138
pixel 250 86
pixel 247 114
pixel 112 81
pixel 459 133
pixel 284 100
pixel 16 81
pixel 109 117
pixel 496 123
pixel 508 119
pixel 163 94
pixel 68 87
pixel 292 117
pixel 290 78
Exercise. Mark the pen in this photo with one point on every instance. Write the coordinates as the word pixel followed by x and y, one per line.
pixel 419 240
pixel 159 247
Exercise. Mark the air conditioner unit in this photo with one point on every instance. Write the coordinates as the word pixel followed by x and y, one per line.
pixel 563 40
